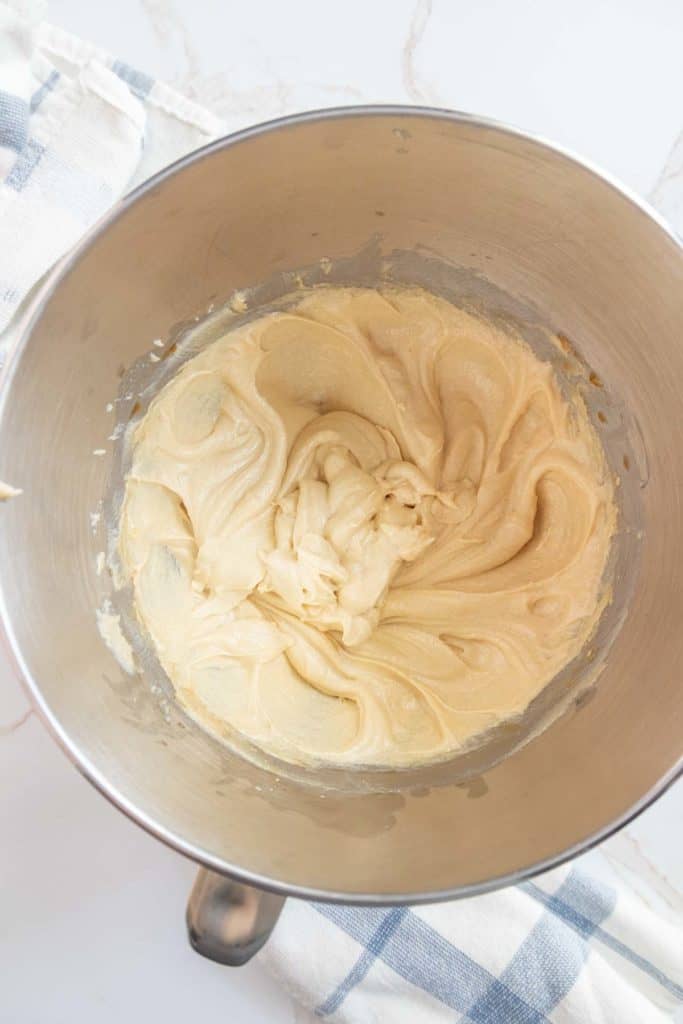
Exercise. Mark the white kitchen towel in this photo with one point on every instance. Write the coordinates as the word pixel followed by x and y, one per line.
pixel 564 948
pixel 77 129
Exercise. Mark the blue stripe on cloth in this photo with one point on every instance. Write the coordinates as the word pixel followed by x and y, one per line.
pixel 375 945
pixel 42 91
pixel 548 962
pixel 24 165
pixel 360 923
pixel 138 82
pixel 420 955
pixel 8 294
pixel 13 121
pixel 578 921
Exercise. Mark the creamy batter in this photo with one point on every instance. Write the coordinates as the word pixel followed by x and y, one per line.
pixel 365 530
pixel 7 491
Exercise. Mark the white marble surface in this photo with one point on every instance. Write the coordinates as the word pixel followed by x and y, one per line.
pixel 92 908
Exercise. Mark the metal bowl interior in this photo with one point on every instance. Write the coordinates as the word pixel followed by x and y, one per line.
pixel 493 219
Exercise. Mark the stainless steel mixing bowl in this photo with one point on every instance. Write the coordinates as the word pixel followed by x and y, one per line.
pixel 494 218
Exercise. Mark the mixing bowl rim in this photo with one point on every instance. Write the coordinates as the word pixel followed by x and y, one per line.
pixel 70 748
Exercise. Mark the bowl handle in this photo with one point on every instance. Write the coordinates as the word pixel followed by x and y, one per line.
pixel 227 921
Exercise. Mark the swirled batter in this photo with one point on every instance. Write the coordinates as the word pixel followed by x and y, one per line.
pixel 365 530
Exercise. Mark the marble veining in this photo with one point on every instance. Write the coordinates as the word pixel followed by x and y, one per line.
pixel 417 90
pixel 667 195
pixel 16 723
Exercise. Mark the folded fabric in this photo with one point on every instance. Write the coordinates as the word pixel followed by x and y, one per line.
pixel 565 948
pixel 77 129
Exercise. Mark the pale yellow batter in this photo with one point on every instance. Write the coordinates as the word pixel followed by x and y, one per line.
pixel 365 530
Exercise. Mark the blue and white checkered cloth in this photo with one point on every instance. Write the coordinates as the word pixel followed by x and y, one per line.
pixel 565 949
pixel 77 129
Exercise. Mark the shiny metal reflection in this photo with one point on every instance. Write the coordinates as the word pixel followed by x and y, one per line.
pixel 511 216
pixel 229 922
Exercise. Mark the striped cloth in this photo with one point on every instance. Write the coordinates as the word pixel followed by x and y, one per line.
pixel 566 948
pixel 77 129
